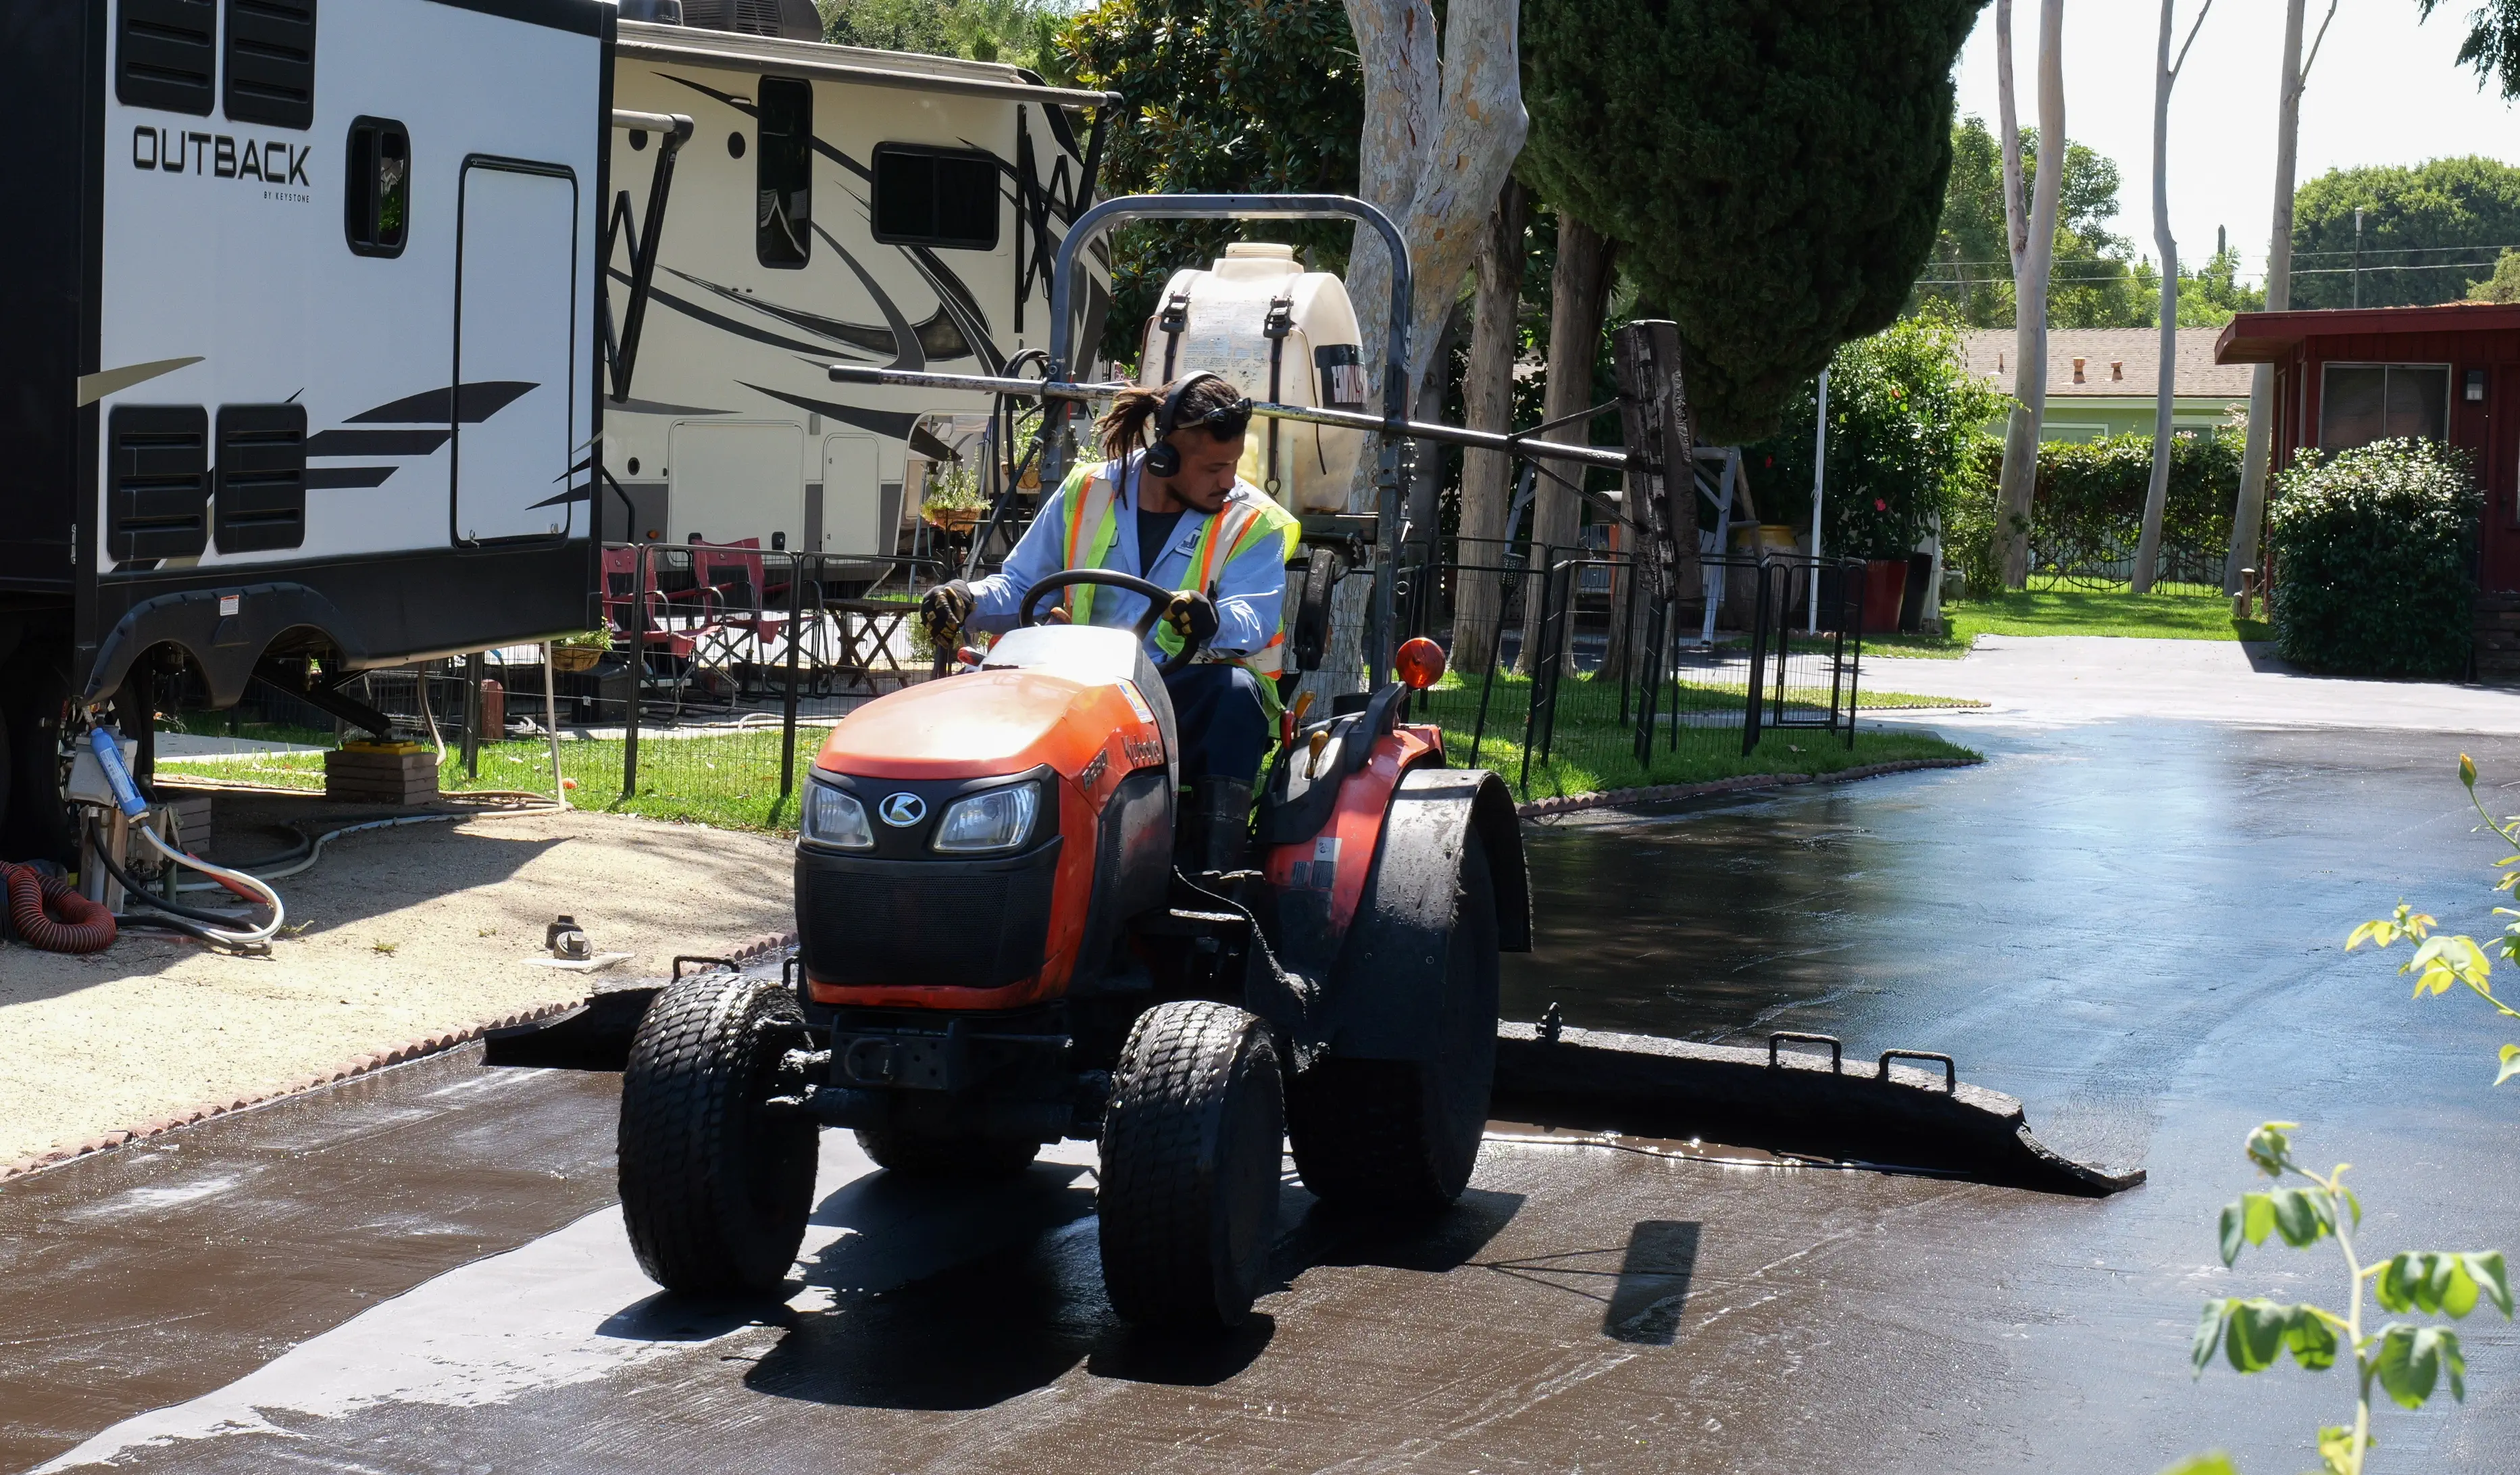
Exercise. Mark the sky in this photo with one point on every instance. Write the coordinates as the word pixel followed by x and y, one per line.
pixel 2384 90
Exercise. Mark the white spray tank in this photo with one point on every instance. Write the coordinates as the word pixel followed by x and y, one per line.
pixel 1276 332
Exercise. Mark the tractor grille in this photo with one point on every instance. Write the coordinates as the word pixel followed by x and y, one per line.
pixel 981 924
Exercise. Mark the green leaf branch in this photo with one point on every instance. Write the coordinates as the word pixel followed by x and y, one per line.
pixel 2442 959
pixel 2405 1362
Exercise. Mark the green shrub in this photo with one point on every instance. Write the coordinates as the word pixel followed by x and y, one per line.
pixel 1905 424
pixel 2373 558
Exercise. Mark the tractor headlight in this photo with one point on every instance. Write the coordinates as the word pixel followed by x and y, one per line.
pixel 834 817
pixel 995 819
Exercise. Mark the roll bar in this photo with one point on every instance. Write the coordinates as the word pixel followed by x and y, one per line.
pixel 1393 471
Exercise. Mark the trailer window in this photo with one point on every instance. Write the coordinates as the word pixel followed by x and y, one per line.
pixel 158 481
pixel 377 204
pixel 783 172
pixel 162 51
pixel 271 62
pixel 259 495
pixel 2361 403
pixel 935 197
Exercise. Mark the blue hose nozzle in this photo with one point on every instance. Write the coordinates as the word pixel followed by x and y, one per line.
pixel 109 756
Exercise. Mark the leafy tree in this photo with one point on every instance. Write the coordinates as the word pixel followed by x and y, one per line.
pixel 1907 443
pixel 1772 174
pixel 2210 295
pixel 1252 96
pixel 2504 285
pixel 2427 230
pixel 2493 44
pixel 2095 281
pixel 1018 32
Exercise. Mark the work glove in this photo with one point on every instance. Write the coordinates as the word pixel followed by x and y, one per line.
pixel 944 611
pixel 1192 617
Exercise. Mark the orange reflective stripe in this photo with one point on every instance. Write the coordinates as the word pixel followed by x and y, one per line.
pixel 1238 519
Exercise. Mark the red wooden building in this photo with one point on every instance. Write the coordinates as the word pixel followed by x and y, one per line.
pixel 2347 376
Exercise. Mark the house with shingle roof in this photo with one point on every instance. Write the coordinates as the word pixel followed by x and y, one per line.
pixel 2101 380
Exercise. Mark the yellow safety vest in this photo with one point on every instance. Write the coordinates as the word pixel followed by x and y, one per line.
pixel 1093 522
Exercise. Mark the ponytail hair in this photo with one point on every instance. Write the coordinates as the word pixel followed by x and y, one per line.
pixel 1211 402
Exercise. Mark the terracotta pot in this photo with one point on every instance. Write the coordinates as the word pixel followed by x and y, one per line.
pixel 1885 585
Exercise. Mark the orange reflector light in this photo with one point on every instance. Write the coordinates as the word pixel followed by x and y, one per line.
pixel 1419 663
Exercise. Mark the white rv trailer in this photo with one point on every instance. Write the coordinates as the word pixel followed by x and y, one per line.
pixel 832 204
pixel 297 355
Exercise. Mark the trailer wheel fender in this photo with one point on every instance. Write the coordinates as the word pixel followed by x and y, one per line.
pixel 1392 965
pixel 226 648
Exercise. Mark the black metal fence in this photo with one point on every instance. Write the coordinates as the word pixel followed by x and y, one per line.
pixel 721 667
pixel 1581 680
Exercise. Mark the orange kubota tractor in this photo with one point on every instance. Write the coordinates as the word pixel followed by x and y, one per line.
pixel 1001 948
pixel 998 950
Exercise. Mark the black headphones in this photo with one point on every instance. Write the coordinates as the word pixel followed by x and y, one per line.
pixel 1163 458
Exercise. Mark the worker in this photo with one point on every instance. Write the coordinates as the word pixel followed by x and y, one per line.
pixel 1169 507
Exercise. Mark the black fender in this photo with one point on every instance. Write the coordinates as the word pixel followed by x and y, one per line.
pixel 1391 964
pixel 226 647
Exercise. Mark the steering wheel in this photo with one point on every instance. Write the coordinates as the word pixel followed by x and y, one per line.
pixel 1157 597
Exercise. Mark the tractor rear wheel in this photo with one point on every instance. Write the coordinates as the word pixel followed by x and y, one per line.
pixel 916 1154
pixel 1190 1151
pixel 715 1189
pixel 1403 1134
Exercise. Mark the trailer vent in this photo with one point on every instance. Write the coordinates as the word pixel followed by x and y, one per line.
pixel 271 62
pixel 158 481
pixel 261 498
pixel 163 55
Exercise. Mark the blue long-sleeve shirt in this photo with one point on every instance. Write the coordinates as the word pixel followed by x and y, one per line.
pixel 1249 589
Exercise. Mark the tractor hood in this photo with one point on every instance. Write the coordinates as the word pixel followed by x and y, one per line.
pixel 989 722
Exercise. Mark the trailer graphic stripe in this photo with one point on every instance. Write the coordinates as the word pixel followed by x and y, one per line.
pixel 325 478
pixel 701 314
pixel 376 442
pixel 473 403
pixel 96 386
pixel 893 423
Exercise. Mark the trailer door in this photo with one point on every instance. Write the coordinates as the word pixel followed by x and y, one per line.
pixel 515 334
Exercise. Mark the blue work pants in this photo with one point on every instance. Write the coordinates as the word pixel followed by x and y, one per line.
pixel 1224 724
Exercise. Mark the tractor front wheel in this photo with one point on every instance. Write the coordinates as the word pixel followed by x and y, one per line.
pixel 715 1189
pixel 1190 1151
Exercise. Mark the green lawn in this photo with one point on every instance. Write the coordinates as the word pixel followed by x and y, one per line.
pixel 731 779
pixel 2076 611
pixel 1594 749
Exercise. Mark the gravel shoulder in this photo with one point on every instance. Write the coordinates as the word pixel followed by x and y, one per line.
pixel 408 932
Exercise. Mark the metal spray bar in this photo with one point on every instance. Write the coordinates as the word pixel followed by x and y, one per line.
pixel 1514 443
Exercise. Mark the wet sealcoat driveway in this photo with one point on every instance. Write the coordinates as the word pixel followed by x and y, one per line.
pixel 2136 929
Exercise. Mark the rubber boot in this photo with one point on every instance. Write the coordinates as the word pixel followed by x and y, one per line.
pixel 1223 818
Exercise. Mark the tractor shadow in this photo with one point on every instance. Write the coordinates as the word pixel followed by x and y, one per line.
pixel 950 1297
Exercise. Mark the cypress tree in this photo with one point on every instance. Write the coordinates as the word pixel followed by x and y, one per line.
pixel 1771 169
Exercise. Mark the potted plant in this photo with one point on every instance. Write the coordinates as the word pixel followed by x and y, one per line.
pixel 580 650
pixel 953 500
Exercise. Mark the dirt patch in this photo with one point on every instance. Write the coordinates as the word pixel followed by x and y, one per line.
pixel 408 932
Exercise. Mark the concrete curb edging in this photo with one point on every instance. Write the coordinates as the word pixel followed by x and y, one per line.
pixel 403 1053
pixel 1610 798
